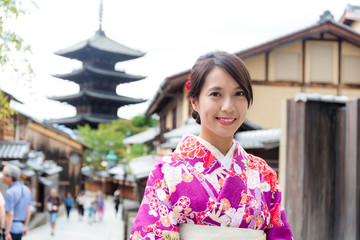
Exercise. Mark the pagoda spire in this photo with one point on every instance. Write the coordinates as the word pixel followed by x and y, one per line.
pixel 101 9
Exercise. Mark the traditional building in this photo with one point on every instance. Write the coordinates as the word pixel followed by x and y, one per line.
pixel 97 101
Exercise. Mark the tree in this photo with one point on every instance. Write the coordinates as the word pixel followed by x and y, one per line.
pixel 10 42
pixel 143 121
pixel 106 137
pixel 5 111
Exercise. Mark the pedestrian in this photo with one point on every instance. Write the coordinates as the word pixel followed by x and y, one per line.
pixel 52 204
pixel 117 203
pixel 2 216
pixel 117 192
pixel 80 200
pixel 209 187
pixel 100 207
pixel 17 204
pixel 69 203
pixel 92 212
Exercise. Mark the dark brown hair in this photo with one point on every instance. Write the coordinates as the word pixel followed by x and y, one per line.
pixel 232 64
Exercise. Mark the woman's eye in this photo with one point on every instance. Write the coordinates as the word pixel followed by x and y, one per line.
pixel 215 94
pixel 240 93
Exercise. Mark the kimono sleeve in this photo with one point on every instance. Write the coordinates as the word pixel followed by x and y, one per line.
pixel 155 218
pixel 279 228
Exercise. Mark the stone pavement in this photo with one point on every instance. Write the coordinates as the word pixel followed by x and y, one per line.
pixel 110 228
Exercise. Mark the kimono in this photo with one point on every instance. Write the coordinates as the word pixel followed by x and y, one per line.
pixel 196 184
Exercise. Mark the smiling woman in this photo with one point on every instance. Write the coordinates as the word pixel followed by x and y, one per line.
pixel 220 93
pixel 209 187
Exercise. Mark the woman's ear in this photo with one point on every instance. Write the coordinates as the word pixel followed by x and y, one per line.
pixel 193 103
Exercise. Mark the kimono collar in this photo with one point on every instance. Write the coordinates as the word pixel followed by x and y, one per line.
pixel 226 160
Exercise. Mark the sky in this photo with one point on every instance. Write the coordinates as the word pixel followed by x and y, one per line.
pixel 172 33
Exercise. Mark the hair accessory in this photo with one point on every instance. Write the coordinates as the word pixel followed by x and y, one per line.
pixel 187 84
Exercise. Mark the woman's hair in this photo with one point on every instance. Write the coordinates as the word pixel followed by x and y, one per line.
pixel 12 171
pixel 232 64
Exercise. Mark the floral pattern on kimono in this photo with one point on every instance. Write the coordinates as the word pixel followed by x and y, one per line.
pixel 191 186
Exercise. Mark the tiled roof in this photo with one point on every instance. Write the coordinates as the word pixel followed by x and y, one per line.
pixel 101 43
pixel 304 97
pixel 140 167
pixel 265 138
pixel 116 76
pixel 14 150
pixel 142 137
pixel 99 94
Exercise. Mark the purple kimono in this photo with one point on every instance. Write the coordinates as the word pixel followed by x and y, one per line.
pixel 198 185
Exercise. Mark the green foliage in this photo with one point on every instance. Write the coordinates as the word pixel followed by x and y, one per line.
pixel 142 121
pixel 138 150
pixel 10 42
pixel 5 111
pixel 107 136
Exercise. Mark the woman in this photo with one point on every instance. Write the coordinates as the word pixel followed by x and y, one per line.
pixel 80 200
pixel 209 187
pixel 52 205
pixel 100 206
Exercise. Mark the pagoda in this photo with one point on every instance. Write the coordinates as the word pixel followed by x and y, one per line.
pixel 97 101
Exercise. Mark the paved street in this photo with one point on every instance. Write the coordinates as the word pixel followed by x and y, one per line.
pixel 110 228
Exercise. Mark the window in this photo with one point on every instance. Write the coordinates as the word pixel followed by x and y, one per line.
pixel 321 60
pixel 287 66
pixel 350 72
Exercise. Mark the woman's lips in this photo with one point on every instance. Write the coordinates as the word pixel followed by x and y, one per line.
pixel 226 121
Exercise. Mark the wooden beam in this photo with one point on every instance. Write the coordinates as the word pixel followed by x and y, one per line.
pixel 54 135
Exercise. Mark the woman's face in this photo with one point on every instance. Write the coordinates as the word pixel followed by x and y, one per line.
pixel 222 106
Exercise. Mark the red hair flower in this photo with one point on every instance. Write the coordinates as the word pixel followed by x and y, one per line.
pixel 187 84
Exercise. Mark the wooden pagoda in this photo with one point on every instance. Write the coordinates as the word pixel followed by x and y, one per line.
pixel 97 101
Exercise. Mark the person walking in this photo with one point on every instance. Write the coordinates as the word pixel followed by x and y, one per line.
pixel 69 203
pixel 80 200
pixel 52 204
pixel 17 204
pixel 2 216
pixel 100 207
pixel 117 203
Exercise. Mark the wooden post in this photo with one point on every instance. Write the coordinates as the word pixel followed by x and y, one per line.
pixel 347 213
pixel 312 143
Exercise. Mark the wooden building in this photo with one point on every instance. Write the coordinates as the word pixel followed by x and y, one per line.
pixel 64 150
pixel 57 145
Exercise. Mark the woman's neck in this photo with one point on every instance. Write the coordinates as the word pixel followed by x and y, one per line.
pixel 223 144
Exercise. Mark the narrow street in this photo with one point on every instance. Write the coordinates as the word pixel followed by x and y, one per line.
pixel 110 228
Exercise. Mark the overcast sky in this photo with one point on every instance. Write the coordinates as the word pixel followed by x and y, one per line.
pixel 171 33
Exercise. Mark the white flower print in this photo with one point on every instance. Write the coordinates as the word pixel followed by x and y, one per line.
pixel 172 218
pixel 253 179
pixel 167 158
pixel 265 187
pixel 160 193
pixel 199 167
pixel 153 213
pixel 237 168
pixel 237 217
pixel 172 175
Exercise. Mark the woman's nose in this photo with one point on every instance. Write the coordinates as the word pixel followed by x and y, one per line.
pixel 227 105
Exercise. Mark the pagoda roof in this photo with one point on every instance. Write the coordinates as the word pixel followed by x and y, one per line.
pixel 105 96
pixel 80 119
pixel 78 75
pixel 102 46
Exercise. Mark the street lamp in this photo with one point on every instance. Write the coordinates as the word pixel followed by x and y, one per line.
pixel 111 159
